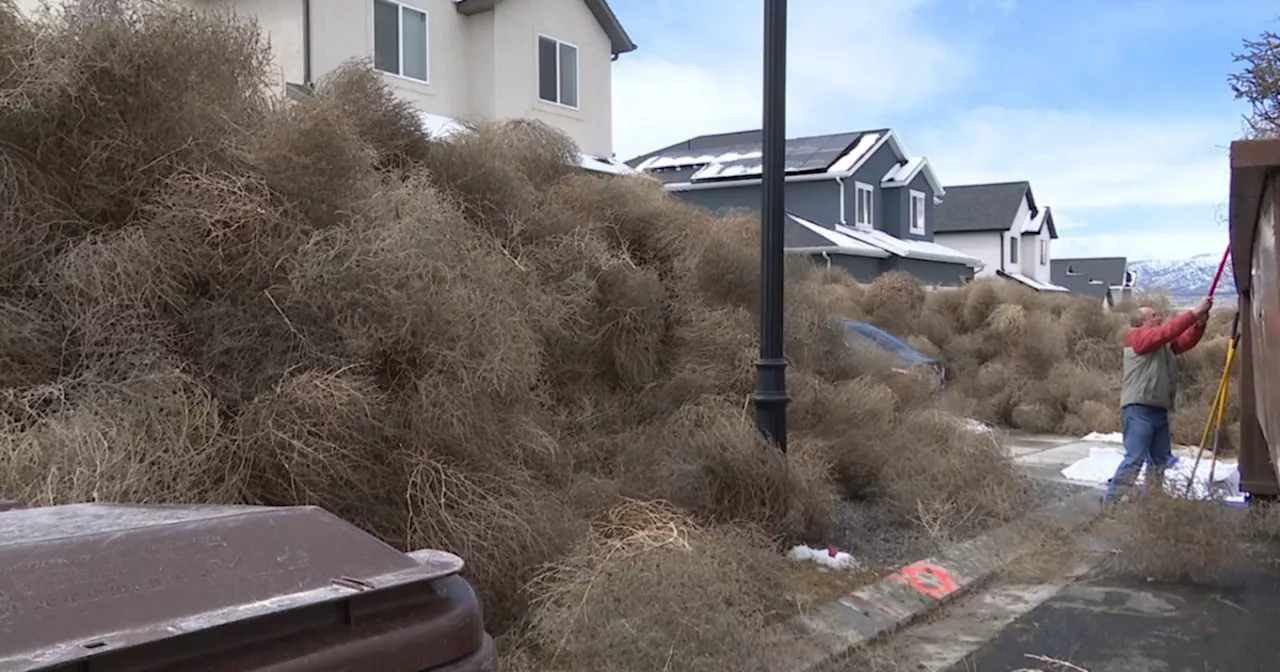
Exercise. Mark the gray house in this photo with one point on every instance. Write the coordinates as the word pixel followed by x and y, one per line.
pixel 855 200
pixel 1107 279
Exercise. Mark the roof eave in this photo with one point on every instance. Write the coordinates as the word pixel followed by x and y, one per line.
pixel 1048 219
pixel 619 41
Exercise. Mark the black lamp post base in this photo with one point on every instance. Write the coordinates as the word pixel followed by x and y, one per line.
pixel 771 400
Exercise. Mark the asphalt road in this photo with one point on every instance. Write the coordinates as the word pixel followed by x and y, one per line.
pixel 1107 623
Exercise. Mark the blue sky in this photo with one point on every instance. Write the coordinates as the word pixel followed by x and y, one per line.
pixel 1117 112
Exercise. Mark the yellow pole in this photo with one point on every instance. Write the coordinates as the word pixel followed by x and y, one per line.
pixel 1216 410
pixel 1222 409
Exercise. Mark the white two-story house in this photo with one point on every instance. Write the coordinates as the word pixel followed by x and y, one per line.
pixel 1001 225
pixel 549 60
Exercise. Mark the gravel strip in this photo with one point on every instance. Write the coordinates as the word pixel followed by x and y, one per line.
pixel 868 533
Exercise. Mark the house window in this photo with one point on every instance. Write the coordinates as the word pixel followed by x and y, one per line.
pixel 1044 253
pixel 1013 249
pixel 917 213
pixel 400 40
pixel 557 72
pixel 865 205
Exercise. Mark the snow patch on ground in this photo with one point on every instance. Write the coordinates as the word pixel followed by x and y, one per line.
pixel 975 426
pixel 1102 462
pixel 827 557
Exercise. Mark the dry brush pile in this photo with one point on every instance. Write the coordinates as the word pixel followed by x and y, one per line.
pixel 1041 362
pixel 207 295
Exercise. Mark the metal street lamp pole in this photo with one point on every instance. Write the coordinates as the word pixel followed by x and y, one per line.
pixel 771 396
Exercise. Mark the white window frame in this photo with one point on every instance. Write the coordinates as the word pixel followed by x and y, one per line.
pixel 1044 252
pixel 917 213
pixel 577 71
pixel 860 188
pixel 400 9
pixel 1014 242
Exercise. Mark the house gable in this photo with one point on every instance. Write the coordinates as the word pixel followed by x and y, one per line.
pixel 926 186
pixel 887 212
pixel 619 41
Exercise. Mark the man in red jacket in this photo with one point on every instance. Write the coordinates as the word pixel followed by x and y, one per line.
pixel 1150 388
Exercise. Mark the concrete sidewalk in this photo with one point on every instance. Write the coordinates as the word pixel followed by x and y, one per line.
pixel 1045 456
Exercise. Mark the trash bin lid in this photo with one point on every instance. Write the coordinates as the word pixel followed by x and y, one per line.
pixel 108 582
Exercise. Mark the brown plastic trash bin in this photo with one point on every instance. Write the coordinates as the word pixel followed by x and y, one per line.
pixel 117 588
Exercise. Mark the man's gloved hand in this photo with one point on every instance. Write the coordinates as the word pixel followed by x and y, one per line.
pixel 1202 309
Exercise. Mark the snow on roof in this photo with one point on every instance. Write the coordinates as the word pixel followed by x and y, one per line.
pixel 690 160
pixel 910 249
pixel 903 173
pixel 599 165
pixel 731 167
pixel 439 126
pixel 844 244
pixel 1035 222
pixel 1038 285
pixel 851 158
pixel 900 175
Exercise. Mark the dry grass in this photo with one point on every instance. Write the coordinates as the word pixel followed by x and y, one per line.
pixel 650 589
pixel 1174 539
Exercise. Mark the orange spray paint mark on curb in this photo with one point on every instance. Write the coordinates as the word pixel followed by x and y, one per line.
pixel 928 579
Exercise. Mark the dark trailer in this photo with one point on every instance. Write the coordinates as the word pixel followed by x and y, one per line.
pixel 1255 188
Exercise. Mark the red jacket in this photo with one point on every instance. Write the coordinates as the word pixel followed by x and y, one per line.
pixel 1182 332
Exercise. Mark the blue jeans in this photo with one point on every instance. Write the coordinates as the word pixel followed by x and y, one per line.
pixel 1146 442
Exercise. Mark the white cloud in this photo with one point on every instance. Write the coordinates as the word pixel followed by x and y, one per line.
pixel 1143 244
pixel 1167 233
pixel 1086 160
pixel 1088 164
pixel 669 92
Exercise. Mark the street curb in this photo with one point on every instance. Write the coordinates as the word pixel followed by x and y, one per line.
pixel 817 638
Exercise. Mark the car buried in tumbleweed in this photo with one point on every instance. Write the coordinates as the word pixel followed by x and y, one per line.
pixel 909 360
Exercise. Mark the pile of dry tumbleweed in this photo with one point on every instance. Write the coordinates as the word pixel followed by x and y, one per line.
pixel 208 295
pixel 1043 362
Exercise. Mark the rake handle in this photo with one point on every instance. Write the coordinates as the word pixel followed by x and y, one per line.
pixel 1217 277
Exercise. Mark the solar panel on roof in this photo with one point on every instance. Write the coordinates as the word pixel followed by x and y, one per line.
pixel 821 160
pixel 833 146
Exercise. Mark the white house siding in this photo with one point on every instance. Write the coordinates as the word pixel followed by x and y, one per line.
pixel 517 24
pixel 481 67
pixel 1014 232
pixel 981 245
pixel 1042 272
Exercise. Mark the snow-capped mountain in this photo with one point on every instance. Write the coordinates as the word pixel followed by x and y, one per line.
pixel 1186 280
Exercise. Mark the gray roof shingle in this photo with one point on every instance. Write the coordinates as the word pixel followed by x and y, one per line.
pixel 980 207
